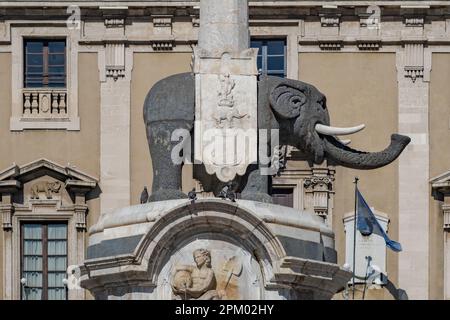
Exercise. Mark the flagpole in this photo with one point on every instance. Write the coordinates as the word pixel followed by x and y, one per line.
pixel 354 235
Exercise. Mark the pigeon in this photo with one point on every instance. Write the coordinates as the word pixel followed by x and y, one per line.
pixel 223 192
pixel 231 195
pixel 144 195
pixel 192 195
pixel 227 193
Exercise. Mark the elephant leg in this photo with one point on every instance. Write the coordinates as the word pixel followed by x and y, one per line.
pixel 257 186
pixel 166 159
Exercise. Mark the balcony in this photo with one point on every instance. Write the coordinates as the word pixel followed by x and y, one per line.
pixel 45 103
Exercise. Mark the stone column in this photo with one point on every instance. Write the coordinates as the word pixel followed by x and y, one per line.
pixel 413 68
pixel 224 26
pixel 115 63
pixel 226 90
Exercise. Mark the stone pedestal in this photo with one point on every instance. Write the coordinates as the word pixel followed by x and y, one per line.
pixel 211 249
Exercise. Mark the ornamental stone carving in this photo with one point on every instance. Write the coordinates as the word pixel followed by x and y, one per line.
pixel 196 282
pixel 49 188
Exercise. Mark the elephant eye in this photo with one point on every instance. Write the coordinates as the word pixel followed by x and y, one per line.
pixel 323 103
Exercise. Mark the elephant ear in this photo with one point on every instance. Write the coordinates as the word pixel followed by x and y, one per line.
pixel 287 99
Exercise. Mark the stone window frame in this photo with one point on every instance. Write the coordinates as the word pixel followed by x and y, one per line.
pixel 77 184
pixel 43 30
pixel 265 56
pixel 271 29
pixel 72 252
pixel 297 189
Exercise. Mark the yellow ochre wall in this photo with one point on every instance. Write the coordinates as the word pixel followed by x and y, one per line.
pixel 360 88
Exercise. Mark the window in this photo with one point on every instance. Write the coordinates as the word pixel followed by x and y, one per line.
pixel 45 64
pixel 283 196
pixel 271 56
pixel 44 261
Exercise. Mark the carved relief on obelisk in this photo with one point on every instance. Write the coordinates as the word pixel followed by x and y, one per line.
pixel 226 90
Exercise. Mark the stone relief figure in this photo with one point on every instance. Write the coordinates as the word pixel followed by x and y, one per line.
pixel 196 282
pixel 45 186
pixel 227 111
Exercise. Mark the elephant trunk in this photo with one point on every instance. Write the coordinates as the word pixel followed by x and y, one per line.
pixel 350 158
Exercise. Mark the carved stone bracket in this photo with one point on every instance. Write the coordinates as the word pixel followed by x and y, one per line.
pixel 330 45
pixel 163 45
pixel 115 60
pixel 330 20
pixel 7 189
pixel 368 45
pixel 414 21
pixel 414 61
pixel 115 22
pixel 162 24
pixel 7 211
pixel 115 17
pixel 318 187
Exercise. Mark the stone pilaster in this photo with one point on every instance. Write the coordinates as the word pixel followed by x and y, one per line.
pixel 413 67
pixel 115 64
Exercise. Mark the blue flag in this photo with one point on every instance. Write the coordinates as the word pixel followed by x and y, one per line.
pixel 367 223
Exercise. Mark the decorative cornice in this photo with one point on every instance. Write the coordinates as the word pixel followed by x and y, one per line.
pixel 328 20
pixel 330 45
pixel 414 21
pixel 162 21
pixel 162 45
pixel 368 45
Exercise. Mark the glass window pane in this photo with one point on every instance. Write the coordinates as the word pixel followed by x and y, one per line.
pixel 32 294
pixel 32 231
pixel 32 263
pixel 32 247
pixel 54 84
pixel 256 44
pixel 35 70
pixel 57 247
pixel 55 279
pixel 57 231
pixel 57 293
pixel 275 47
pixel 56 70
pixel 275 63
pixel 34 60
pixel 57 264
pixel 56 46
pixel 56 59
pixel 33 279
pixel 30 84
pixel 34 46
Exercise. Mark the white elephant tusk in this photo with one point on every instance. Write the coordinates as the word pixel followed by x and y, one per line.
pixel 345 142
pixel 331 131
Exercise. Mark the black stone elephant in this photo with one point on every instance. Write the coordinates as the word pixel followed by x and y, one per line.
pixel 297 109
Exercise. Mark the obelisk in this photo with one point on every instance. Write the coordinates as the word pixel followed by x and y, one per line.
pixel 226 90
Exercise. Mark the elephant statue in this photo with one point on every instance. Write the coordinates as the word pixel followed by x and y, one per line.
pixel 297 109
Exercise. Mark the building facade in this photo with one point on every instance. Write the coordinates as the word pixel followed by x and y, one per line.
pixel 74 76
